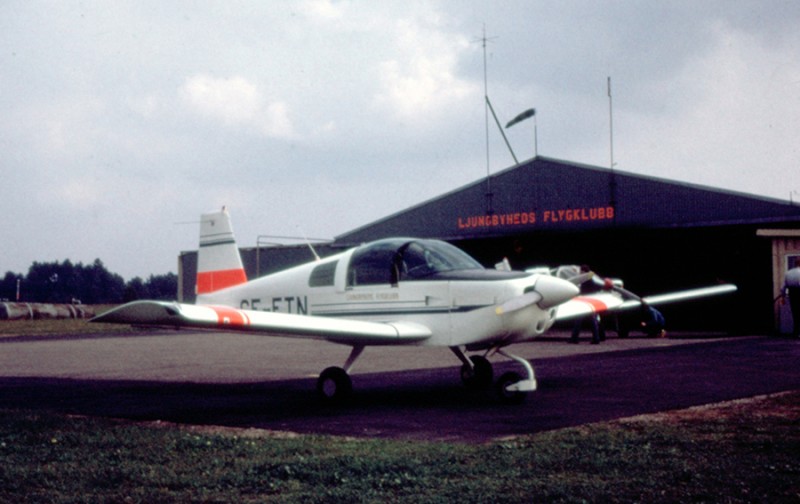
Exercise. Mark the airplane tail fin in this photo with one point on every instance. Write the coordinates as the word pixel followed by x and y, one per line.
pixel 218 262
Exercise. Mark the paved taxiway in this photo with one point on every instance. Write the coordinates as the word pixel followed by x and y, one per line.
pixel 415 393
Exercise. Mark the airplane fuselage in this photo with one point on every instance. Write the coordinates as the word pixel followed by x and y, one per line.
pixel 459 306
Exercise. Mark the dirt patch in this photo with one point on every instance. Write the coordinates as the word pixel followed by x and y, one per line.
pixel 781 405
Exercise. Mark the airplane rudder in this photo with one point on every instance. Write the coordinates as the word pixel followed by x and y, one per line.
pixel 219 264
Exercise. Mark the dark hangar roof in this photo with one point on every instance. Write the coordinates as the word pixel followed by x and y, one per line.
pixel 546 194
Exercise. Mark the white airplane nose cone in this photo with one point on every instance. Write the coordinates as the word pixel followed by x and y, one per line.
pixel 554 291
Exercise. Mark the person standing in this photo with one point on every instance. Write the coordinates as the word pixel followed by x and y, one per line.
pixel 596 324
pixel 791 289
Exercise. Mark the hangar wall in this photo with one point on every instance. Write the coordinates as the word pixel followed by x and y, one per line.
pixel 547 195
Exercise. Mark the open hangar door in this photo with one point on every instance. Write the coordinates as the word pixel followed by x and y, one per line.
pixel 652 261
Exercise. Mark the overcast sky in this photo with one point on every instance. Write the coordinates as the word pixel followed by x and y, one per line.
pixel 120 122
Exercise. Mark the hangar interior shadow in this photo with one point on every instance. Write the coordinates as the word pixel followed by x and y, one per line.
pixel 657 261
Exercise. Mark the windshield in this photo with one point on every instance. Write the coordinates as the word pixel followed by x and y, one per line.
pixel 392 260
pixel 422 258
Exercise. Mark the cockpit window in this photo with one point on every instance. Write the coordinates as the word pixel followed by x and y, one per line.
pixel 390 261
pixel 323 275
pixel 372 264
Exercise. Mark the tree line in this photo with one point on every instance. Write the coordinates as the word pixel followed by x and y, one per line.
pixel 65 282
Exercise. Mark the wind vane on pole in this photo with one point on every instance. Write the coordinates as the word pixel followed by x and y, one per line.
pixel 521 117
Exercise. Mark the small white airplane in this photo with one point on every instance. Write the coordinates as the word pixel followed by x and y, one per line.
pixel 396 291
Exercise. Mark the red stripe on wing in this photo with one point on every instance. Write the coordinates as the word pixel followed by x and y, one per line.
pixel 231 316
pixel 595 304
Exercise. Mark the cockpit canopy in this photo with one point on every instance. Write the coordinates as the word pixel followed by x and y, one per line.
pixel 399 259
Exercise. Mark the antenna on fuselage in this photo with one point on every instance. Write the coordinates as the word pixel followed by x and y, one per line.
pixel 310 245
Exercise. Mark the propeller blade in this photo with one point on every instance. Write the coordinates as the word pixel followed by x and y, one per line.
pixel 582 278
pixel 548 291
pixel 519 302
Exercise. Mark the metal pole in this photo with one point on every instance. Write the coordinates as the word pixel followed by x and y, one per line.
pixel 611 123
pixel 613 178
pixel 489 195
pixel 501 131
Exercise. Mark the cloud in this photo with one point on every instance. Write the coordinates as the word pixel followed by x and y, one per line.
pixel 422 79
pixel 724 111
pixel 64 129
pixel 235 101
pixel 79 194
pixel 321 9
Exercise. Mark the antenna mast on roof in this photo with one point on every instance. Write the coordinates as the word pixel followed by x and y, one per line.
pixel 486 105
pixel 613 179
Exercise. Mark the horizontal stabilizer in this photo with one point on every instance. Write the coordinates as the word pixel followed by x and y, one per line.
pixel 223 318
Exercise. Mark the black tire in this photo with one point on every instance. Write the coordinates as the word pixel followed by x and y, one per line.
pixel 334 385
pixel 480 376
pixel 509 396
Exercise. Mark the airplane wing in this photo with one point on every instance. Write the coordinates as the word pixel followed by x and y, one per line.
pixel 590 303
pixel 610 301
pixel 224 318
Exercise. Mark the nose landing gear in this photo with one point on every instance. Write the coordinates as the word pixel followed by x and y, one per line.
pixel 511 387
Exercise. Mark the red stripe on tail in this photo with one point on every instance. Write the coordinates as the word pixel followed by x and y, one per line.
pixel 211 281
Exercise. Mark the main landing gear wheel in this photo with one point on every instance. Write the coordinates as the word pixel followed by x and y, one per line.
pixel 480 375
pixel 334 385
pixel 502 387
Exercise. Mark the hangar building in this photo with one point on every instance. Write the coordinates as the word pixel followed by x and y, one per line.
pixel 655 234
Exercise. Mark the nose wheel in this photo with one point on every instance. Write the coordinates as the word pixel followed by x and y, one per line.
pixel 507 388
pixel 511 387
pixel 479 374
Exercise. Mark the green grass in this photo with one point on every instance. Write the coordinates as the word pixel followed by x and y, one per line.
pixel 738 452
